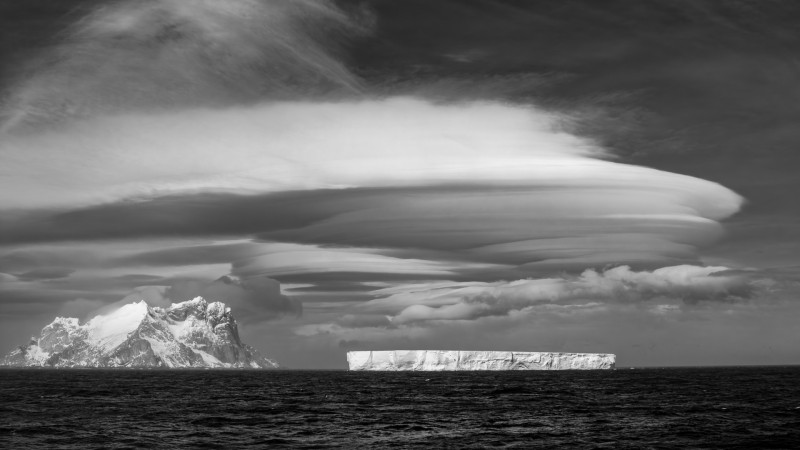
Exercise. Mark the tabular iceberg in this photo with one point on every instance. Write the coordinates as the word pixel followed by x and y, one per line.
pixel 193 333
pixel 441 360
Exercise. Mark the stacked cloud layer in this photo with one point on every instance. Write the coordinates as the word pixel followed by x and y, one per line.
pixel 204 146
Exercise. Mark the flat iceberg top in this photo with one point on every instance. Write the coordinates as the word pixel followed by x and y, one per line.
pixel 442 360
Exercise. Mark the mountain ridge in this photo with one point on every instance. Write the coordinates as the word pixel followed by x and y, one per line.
pixel 190 334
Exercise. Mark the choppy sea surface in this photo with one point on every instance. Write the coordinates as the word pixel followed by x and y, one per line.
pixel 749 407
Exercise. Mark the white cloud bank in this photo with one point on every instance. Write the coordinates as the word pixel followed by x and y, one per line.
pixel 468 301
pixel 679 315
pixel 505 186
pixel 290 146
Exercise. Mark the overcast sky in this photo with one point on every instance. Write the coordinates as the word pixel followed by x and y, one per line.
pixel 582 176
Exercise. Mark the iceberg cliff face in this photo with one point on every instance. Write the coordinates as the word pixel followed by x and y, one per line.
pixel 194 333
pixel 441 360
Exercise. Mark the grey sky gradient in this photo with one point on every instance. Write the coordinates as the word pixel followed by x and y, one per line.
pixel 518 175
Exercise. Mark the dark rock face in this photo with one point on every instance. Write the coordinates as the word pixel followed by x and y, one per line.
pixel 136 352
pixel 194 333
pixel 59 335
pixel 18 357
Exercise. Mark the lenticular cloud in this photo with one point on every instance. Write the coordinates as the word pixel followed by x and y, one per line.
pixel 379 143
pixel 145 100
pixel 494 182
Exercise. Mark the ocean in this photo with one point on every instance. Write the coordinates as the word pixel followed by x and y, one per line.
pixel 731 407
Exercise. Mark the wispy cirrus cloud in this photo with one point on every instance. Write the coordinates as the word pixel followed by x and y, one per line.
pixel 167 54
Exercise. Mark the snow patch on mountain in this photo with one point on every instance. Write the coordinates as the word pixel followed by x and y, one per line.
pixel 110 331
pixel 193 333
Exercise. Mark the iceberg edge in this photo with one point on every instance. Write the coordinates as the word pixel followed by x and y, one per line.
pixel 465 360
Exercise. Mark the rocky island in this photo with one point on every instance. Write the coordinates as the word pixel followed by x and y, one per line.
pixel 442 360
pixel 191 334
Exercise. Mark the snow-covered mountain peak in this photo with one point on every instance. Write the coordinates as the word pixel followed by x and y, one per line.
pixel 110 330
pixel 194 333
pixel 217 312
pixel 66 322
pixel 198 307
